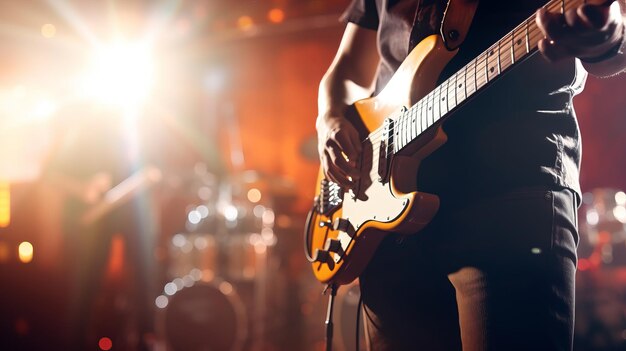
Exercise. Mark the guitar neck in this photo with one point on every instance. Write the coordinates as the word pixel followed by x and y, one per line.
pixel 511 49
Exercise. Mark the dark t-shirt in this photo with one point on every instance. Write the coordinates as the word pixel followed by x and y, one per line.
pixel 521 132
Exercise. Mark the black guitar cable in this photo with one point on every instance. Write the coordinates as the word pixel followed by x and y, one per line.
pixel 329 317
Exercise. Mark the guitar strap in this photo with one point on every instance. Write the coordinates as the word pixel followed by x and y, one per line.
pixel 456 22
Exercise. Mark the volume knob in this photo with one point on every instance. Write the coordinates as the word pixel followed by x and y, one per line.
pixel 322 256
pixel 342 225
pixel 334 245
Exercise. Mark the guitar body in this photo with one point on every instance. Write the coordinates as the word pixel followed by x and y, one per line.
pixel 403 125
pixel 344 230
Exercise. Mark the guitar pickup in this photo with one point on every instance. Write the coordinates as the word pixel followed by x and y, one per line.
pixel 384 151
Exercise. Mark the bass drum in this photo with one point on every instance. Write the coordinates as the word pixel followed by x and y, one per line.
pixel 206 316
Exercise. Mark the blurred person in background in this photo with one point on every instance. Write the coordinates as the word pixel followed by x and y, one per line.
pixel 96 149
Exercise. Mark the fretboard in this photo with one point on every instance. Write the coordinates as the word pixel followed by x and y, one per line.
pixel 510 50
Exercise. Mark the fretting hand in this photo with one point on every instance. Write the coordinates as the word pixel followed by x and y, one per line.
pixel 589 32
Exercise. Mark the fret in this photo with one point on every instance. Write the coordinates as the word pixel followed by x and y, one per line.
pixel 414 132
pixel 498 59
pixel 481 71
pixel 400 140
pixel 527 36
pixel 460 87
pixel 492 64
pixel 512 49
pixel 436 112
pixel 400 131
pixel 470 75
pixel 535 37
pixel 506 60
pixel 414 125
pixel 475 63
pixel 450 95
pixel 409 127
pixel 519 50
pixel 423 114
pixel 405 130
pixel 429 108
pixel 436 105
pixel 443 103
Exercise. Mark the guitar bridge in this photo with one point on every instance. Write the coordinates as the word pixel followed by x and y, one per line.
pixel 331 197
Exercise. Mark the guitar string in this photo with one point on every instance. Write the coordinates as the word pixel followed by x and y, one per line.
pixel 408 118
pixel 527 29
pixel 482 61
pixel 532 32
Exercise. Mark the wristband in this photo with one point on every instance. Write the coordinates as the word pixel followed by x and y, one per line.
pixel 614 51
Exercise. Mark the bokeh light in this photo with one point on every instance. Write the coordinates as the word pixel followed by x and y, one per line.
pixel 245 23
pixel 25 252
pixel 48 30
pixel 276 15
pixel 5 205
pixel 105 343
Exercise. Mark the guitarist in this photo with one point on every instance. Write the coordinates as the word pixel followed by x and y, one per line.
pixel 495 268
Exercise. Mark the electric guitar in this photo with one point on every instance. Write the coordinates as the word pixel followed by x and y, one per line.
pixel 400 127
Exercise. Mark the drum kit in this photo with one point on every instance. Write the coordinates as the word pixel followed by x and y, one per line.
pixel 215 296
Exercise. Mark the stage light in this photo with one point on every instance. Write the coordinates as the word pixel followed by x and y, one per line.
pixel 25 252
pixel 48 30
pixel 120 75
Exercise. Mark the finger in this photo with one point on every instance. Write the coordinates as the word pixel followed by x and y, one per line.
pixel 552 25
pixel 552 51
pixel 337 158
pixel 349 143
pixel 594 16
pixel 335 174
pixel 576 22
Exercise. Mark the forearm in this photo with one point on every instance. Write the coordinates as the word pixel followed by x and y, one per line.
pixel 351 74
pixel 337 91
